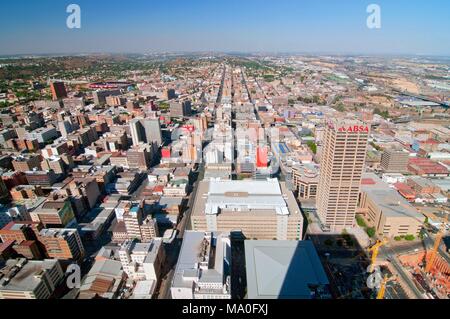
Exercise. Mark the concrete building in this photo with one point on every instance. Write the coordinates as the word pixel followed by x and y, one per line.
pixel 140 156
pixel 43 134
pixel 342 165
pixel 137 226
pixel 284 270
pixel 22 279
pixel 180 108
pixel 204 267
pixel 260 209
pixel 56 212
pixel 27 163
pixel 305 179
pixel 146 131
pixel 100 96
pixel 386 210
pixel 105 279
pixel 58 90
pixel 142 261
pixel 395 161
pixel 60 243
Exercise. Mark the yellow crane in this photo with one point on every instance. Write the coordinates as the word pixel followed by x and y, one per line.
pixel 384 283
pixel 437 243
pixel 375 249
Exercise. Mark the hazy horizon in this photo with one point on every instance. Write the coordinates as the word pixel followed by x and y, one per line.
pixel 408 28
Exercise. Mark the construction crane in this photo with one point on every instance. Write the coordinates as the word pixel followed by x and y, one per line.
pixel 437 243
pixel 375 249
pixel 384 283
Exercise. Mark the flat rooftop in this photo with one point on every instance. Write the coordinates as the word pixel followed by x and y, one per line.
pixel 282 269
pixel 265 197
pixel 388 199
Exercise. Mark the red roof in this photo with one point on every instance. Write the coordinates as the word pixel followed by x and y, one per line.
pixel 158 189
pixel 427 166
pixel 367 181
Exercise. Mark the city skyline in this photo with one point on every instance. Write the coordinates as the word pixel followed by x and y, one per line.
pixel 200 26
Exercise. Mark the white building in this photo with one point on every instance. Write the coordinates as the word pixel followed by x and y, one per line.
pixel 142 261
pixel 197 276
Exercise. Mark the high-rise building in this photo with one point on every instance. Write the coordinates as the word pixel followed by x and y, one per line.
pixel 342 165
pixel 23 279
pixel 58 90
pixel 20 231
pixel 100 96
pixel 259 209
pixel 180 109
pixel 60 243
pixel 170 94
pixel 137 226
pixel 142 261
pixel 395 161
pixel 146 131
pixel 139 156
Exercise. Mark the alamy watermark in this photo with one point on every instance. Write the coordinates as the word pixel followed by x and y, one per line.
pixel 74 19
pixel 374 19
pixel 73 279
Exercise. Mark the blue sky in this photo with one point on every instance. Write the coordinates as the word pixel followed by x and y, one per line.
pixel 137 26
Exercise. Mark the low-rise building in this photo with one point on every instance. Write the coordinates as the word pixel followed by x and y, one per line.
pixel 387 211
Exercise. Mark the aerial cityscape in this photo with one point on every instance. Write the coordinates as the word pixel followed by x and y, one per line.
pixel 223 174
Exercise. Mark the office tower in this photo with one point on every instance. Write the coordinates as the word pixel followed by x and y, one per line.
pixel 152 129
pixel 278 269
pixel 395 161
pixel 23 279
pixel 146 131
pixel 139 156
pixel 58 90
pixel 342 165
pixel 100 96
pixel 60 243
pixel 170 94
pixel 180 109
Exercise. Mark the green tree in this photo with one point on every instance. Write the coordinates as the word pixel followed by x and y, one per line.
pixel 312 146
pixel 370 232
